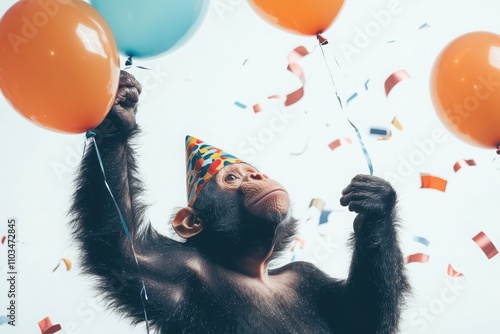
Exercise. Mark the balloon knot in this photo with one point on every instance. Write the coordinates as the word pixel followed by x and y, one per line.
pixel 129 61
pixel 322 40
pixel 90 134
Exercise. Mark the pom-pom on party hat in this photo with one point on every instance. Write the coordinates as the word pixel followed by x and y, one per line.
pixel 203 161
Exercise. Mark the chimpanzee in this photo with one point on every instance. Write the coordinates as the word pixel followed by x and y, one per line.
pixel 237 220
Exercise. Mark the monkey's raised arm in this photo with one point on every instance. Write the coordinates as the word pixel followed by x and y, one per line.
pixel 107 253
pixel 375 288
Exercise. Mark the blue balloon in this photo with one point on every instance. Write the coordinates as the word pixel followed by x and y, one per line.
pixel 147 28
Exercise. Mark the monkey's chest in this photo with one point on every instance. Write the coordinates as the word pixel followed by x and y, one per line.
pixel 247 310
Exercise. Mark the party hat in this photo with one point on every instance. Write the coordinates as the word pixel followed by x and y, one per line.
pixel 203 161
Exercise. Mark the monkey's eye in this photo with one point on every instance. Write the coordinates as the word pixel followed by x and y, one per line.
pixel 230 177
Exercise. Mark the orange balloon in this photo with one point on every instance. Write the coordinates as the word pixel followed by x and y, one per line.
pixel 59 63
pixel 310 17
pixel 465 88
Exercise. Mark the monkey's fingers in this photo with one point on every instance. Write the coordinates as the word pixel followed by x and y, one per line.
pixel 128 80
pixel 127 96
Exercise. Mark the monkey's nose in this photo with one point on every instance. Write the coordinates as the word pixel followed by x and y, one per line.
pixel 257 176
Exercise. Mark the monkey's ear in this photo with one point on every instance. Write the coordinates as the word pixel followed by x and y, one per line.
pixel 186 223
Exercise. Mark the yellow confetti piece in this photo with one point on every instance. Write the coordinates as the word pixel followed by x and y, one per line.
pixel 66 261
pixel 397 124
pixel 317 203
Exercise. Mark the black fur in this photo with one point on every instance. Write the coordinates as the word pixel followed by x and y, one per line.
pixel 189 288
pixel 231 232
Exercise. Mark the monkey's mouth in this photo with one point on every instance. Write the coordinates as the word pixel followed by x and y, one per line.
pixel 267 194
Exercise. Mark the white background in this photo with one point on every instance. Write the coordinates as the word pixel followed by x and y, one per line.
pixel 236 56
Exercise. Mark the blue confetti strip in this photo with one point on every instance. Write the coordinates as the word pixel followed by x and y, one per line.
pixel 366 84
pixel 4 319
pixel 425 25
pixel 381 132
pixel 239 104
pixel 422 240
pixel 352 97
pixel 323 218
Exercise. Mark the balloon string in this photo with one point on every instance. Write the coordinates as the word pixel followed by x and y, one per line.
pixel 144 295
pixel 323 41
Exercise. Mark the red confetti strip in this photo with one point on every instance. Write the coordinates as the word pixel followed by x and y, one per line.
pixel 258 107
pixel 394 79
pixel 433 182
pixel 339 142
pixel 482 240
pixel 453 273
pixel 46 326
pixel 418 257
pixel 293 57
pixel 3 239
pixel 463 163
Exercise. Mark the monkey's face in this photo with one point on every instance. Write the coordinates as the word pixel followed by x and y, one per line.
pixel 261 196
pixel 240 210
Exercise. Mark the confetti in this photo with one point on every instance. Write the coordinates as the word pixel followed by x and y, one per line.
pixel 463 163
pixel 425 25
pixel 394 79
pixel 66 261
pixel 352 97
pixel 258 107
pixel 482 240
pixel 433 182
pixel 46 326
pixel 4 319
pixel 239 104
pixel 339 142
pixel 323 218
pixel 387 137
pixel 366 84
pixel 452 272
pixel 418 257
pixel 397 124
pixel 421 240
pixel 293 57
pixel 317 203
pixel 379 132
pixel 3 239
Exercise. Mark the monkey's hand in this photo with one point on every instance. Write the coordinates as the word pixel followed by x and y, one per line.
pixel 371 197
pixel 122 113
